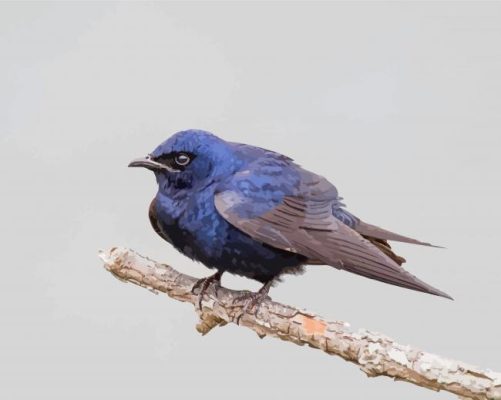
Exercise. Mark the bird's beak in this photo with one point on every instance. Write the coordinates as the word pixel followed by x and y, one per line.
pixel 147 162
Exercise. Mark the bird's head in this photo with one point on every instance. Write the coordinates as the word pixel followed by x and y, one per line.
pixel 189 160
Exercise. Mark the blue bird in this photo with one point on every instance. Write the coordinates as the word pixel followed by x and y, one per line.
pixel 253 212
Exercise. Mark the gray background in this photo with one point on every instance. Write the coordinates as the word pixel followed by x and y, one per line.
pixel 397 104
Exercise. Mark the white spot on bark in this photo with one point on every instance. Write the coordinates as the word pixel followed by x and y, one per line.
pixel 399 356
pixel 374 348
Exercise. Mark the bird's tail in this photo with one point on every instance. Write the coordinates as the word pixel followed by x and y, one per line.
pixel 368 230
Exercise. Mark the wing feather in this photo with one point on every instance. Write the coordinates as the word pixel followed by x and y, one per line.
pixel 305 225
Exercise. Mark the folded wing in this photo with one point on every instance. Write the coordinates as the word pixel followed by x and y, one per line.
pixel 304 223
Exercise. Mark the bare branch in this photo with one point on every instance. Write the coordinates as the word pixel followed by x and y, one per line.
pixel 374 353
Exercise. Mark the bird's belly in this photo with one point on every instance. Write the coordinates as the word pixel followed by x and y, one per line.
pixel 219 245
pixel 245 256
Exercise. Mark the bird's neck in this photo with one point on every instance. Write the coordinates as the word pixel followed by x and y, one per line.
pixel 178 202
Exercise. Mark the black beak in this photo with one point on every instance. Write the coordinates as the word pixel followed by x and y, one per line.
pixel 147 162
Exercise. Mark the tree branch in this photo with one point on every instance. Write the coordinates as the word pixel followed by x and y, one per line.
pixel 374 353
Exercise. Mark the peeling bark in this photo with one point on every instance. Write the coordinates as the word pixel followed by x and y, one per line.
pixel 374 353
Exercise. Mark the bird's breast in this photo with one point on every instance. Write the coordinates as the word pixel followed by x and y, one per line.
pixel 202 234
pixel 194 227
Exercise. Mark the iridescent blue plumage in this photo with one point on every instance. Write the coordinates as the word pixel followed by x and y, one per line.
pixel 185 211
pixel 253 212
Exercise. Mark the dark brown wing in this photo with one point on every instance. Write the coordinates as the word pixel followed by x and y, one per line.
pixel 385 247
pixel 305 225
pixel 152 214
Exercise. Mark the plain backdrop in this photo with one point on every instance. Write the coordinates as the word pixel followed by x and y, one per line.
pixel 398 104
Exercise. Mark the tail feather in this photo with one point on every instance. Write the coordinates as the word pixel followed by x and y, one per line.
pixel 385 247
pixel 376 232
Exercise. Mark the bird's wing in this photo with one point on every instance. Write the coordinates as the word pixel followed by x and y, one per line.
pixel 152 214
pixel 303 222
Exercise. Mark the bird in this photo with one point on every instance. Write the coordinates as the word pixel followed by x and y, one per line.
pixel 253 212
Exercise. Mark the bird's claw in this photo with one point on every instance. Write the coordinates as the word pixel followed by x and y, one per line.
pixel 204 284
pixel 251 302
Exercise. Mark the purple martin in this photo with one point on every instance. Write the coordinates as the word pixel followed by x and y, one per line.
pixel 256 213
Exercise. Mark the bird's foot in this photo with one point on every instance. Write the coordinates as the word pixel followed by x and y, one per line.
pixel 253 300
pixel 204 284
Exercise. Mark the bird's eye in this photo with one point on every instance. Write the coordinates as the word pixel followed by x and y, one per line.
pixel 182 159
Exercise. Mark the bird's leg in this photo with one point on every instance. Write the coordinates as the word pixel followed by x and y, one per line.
pixel 253 299
pixel 204 284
